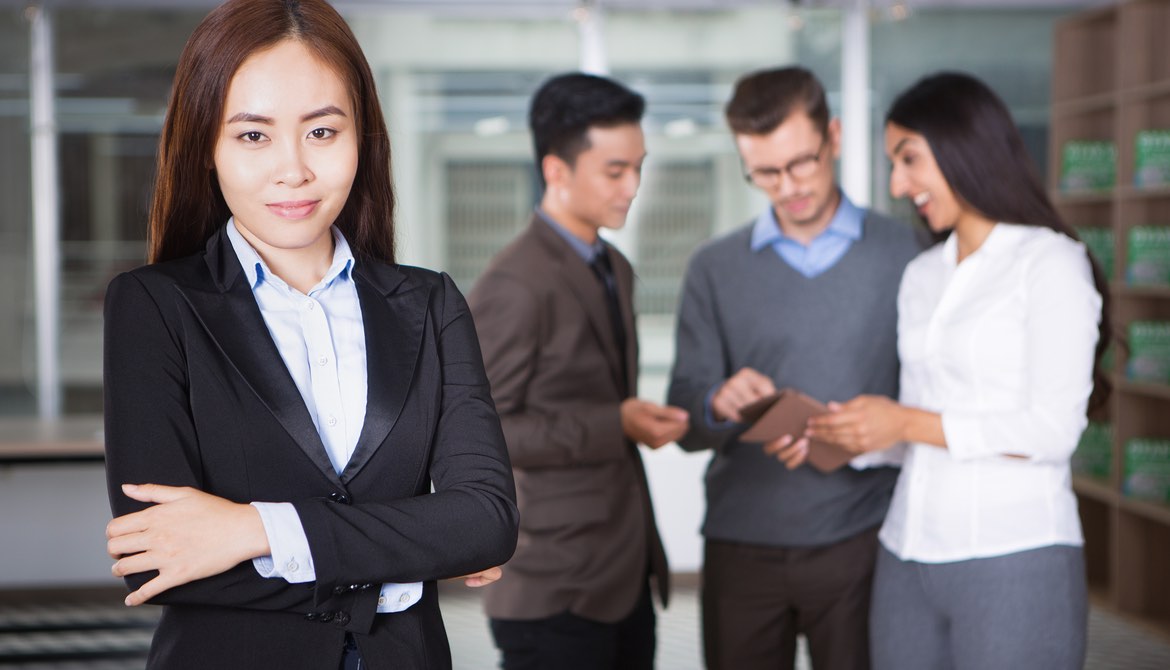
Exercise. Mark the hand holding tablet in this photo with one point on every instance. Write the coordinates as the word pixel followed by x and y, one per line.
pixel 787 412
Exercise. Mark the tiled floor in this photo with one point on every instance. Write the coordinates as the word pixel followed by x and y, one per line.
pixel 106 636
pixel 1114 644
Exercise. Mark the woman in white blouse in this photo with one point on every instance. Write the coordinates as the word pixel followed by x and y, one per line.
pixel 999 328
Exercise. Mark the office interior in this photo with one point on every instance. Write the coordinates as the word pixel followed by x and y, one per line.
pixel 83 89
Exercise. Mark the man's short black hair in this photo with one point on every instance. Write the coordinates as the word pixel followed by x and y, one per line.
pixel 566 106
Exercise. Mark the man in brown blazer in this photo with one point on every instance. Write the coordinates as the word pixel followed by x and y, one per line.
pixel 555 319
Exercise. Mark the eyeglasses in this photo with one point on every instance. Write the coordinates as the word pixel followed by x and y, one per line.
pixel 797 168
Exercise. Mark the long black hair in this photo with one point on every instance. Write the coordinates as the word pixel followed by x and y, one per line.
pixel 982 156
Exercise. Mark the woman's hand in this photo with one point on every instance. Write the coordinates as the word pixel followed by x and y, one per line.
pixel 866 423
pixel 791 451
pixel 187 535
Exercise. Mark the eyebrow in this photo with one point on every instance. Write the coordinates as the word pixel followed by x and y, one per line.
pixel 899 145
pixel 247 117
pixel 617 162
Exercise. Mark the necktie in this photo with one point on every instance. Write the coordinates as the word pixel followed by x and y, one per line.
pixel 604 271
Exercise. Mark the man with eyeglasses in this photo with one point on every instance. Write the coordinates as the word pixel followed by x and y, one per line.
pixel 802 297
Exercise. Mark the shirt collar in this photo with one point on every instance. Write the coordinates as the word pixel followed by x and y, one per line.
pixel 1002 236
pixel 586 251
pixel 256 270
pixel 846 222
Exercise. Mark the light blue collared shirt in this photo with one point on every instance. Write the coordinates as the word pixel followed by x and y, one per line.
pixel 586 251
pixel 321 339
pixel 825 249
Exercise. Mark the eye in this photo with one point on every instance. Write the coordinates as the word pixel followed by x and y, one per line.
pixel 252 137
pixel 322 133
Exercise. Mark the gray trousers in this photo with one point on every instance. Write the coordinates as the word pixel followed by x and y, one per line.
pixel 1025 611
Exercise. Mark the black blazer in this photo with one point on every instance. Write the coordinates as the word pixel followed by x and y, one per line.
pixel 196 394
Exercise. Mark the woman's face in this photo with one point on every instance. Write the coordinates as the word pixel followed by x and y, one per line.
pixel 915 174
pixel 287 150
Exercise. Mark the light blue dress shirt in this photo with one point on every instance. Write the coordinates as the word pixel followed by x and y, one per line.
pixel 825 249
pixel 322 341
pixel 821 254
pixel 586 251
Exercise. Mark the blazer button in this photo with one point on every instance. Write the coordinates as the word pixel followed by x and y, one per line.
pixel 312 616
pixel 341 618
pixel 338 590
pixel 326 617
pixel 339 498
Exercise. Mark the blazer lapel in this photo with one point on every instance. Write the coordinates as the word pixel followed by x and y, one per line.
pixel 393 316
pixel 624 276
pixel 233 320
pixel 588 290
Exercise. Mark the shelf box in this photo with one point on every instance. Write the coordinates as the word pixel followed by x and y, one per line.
pixel 1147 470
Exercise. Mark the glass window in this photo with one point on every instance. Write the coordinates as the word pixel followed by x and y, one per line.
pixel 114 72
pixel 1009 49
pixel 17 335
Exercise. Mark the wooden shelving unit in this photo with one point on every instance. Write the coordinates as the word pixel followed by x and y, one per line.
pixel 1111 78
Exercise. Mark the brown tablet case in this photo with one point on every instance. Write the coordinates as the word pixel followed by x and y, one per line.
pixel 787 412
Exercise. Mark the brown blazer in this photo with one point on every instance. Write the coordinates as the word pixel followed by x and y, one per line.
pixel 587 531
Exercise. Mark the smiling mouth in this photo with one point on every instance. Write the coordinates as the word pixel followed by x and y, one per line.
pixel 298 209
pixel 921 199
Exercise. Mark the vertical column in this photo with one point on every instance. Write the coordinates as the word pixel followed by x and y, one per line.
pixel 419 228
pixel 46 214
pixel 855 102
pixel 594 59
pixel 591 32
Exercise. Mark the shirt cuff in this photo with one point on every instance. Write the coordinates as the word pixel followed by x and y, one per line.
pixel 964 436
pixel 290 558
pixel 890 457
pixel 709 416
pixel 398 597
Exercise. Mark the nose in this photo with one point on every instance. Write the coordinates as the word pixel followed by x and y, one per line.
pixel 631 183
pixel 898 187
pixel 291 168
pixel 786 184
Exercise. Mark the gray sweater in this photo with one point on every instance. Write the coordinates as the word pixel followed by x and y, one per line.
pixel 832 336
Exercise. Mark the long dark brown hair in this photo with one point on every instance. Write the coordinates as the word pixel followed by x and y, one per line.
pixel 187 206
pixel 982 156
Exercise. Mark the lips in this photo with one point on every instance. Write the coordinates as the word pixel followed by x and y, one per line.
pixel 293 209
pixel 920 201
pixel 797 203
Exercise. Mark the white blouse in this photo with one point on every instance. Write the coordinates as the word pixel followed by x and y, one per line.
pixel 1001 345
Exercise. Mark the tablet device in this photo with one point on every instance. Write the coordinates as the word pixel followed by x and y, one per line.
pixel 787 412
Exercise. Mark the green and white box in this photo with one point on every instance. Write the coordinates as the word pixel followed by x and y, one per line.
pixel 1148 260
pixel 1149 351
pixel 1094 454
pixel 1088 165
pixel 1152 158
pixel 1100 243
pixel 1147 469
